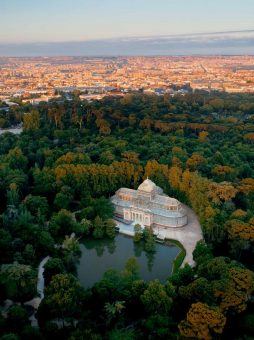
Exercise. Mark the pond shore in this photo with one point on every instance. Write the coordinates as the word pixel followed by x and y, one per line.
pixel 188 235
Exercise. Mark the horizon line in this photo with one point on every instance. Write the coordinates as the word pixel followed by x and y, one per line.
pixel 127 37
pixel 129 56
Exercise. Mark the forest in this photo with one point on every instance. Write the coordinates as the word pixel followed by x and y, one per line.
pixel 56 178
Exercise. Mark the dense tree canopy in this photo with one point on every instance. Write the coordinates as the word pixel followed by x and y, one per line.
pixel 56 179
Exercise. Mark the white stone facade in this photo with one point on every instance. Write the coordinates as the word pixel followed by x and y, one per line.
pixel 149 206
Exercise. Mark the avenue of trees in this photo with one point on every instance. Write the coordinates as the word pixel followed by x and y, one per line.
pixel 56 179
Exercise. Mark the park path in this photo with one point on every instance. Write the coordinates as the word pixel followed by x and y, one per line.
pixel 188 235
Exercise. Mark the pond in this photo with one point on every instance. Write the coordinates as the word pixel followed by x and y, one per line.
pixel 97 256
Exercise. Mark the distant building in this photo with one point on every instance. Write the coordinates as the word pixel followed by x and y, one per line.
pixel 149 206
pixel 37 101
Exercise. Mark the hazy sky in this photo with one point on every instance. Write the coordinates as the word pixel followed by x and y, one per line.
pixel 76 20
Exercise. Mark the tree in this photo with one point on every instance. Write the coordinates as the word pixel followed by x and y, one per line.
pixel 2 123
pixel 29 254
pixel 53 267
pixel 56 114
pixel 83 228
pixel 223 172
pixel 146 123
pixel 77 116
pixel 99 227
pixel 137 233
pixel 160 327
pixel 249 137
pixel 200 290
pixel 62 223
pixel 113 310
pixel 203 322
pixel 195 160
pixel 37 205
pixel 202 252
pixel 44 181
pixel 110 228
pixel 217 103
pixel 62 200
pixel 16 159
pixel 111 286
pixel 183 276
pixel 12 195
pixel 71 252
pixel 246 186
pixel 240 230
pixel 174 177
pixel 131 156
pixel 44 243
pixel 149 241
pixel 203 136
pixel 19 280
pixel 123 334
pixel 17 318
pixel 107 157
pixel 103 207
pixel 221 192
pixel 63 296
pixel 70 245
pixel 234 291
pixel 155 298
pixel 5 241
pixel 31 120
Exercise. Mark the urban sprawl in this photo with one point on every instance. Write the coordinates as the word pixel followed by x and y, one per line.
pixel 44 78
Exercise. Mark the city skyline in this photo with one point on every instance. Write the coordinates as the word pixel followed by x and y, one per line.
pixel 99 77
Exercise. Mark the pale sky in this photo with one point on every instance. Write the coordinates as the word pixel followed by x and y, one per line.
pixel 25 21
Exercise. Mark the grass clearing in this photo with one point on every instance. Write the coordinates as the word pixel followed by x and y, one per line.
pixel 180 257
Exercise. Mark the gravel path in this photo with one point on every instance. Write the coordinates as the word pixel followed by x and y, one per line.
pixel 188 235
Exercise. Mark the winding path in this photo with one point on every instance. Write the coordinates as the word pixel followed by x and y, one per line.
pixel 35 302
pixel 40 279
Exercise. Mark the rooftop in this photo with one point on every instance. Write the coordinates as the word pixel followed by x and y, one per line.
pixel 147 186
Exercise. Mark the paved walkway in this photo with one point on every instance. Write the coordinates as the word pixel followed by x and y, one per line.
pixel 188 235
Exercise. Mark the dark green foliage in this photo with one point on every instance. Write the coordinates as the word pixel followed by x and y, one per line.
pixel 138 233
pixel 62 224
pixel 10 336
pixel 110 228
pixel 149 240
pixel 57 180
pixel 19 281
pixel 52 267
pixel 17 319
pixel 37 206
pixel 156 299
pixel 202 252
pixel 99 227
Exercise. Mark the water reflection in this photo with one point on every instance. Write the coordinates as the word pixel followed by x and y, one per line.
pixel 97 256
pixel 138 248
pixel 99 247
pixel 111 246
pixel 150 260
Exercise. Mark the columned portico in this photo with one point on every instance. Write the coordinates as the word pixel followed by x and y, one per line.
pixel 138 216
